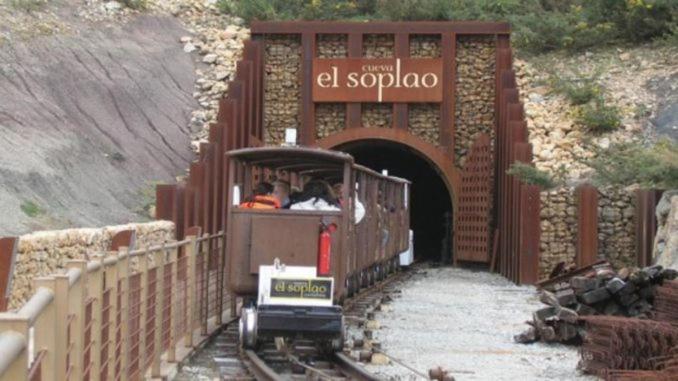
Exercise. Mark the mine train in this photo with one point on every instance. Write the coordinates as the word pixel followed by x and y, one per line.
pixel 294 268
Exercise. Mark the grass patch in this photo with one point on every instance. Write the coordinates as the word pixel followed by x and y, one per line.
pixel 578 90
pixel 138 5
pixel 652 166
pixel 533 176
pixel 31 209
pixel 27 5
pixel 598 117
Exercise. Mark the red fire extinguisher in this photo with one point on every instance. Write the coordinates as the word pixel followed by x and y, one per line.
pixel 324 248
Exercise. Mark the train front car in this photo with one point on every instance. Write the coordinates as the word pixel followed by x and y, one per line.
pixel 289 266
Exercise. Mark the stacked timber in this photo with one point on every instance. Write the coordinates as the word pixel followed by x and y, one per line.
pixel 595 290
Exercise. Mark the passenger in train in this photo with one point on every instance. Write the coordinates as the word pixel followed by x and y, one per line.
pixel 359 208
pixel 262 198
pixel 281 190
pixel 317 195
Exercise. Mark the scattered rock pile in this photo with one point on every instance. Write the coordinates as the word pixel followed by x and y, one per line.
pixel 594 290
pixel 218 39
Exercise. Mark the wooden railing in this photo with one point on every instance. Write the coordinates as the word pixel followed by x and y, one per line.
pixel 126 315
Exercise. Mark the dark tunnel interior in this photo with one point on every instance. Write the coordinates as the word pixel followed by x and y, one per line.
pixel 431 208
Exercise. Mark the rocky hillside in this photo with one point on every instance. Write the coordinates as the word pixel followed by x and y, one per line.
pixel 641 82
pixel 100 102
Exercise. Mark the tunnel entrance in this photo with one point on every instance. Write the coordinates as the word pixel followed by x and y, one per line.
pixel 431 208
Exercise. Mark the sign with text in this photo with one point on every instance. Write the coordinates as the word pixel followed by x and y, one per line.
pixel 400 80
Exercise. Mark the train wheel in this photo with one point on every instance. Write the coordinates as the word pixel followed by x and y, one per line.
pixel 247 328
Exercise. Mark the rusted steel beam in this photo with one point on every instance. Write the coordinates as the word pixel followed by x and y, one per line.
pixel 530 234
pixel 308 53
pixel 400 111
pixel 164 202
pixel 377 27
pixel 246 75
pixel 124 238
pixel 354 110
pixel 587 225
pixel 178 210
pixel 446 127
pixel 235 95
pixel 8 252
pixel 646 224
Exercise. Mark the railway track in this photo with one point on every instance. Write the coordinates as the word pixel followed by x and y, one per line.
pixel 302 359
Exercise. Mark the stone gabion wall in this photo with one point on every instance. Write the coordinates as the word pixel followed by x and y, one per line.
pixel 425 46
pixel 332 46
pixel 377 115
pixel 474 110
pixel 46 252
pixel 558 229
pixel 616 227
pixel 378 46
pixel 281 86
pixel 330 118
pixel 424 119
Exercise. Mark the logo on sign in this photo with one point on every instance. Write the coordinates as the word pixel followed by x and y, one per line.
pixel 301 288
pixel 380 80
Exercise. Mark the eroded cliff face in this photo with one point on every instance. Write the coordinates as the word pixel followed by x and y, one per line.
pixel 666 241
pixel 90 120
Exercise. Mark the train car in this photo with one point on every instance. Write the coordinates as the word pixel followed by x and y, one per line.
pixel 293 268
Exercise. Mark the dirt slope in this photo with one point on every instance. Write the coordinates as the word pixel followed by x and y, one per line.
pixel 88 122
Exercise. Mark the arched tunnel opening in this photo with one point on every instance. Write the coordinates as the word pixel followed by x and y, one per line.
pixel 431 208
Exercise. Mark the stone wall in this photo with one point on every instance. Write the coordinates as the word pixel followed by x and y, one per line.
pixel 558 229
pixel 424 120
pixel 474 110
pixel 281 86
pixel 616 227
pixel 330 118
pixel 377 115
pixel 44 253
pixel 425 46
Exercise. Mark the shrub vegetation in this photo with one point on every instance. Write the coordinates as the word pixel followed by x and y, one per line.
pixel 538 25
pixel 533 176
pixel 654 166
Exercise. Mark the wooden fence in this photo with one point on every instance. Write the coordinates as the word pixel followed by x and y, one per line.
pixel 125 315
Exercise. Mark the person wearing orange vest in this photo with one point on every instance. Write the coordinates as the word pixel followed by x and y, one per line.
pixel 262 198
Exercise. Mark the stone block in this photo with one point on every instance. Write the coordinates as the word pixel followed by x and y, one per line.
pixel 567 331
pixel 614 285
pixel 582 284
pixel 595 296
pixel 583 310
pixel 528 336
pixel 566 297
pixel 568 315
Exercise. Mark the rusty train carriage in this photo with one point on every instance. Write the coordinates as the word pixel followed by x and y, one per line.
pixel 257 237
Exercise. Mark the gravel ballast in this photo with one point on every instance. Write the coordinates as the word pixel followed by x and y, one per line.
pixel 464 321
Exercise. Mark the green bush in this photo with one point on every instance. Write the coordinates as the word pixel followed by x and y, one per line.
pixel 135 4
pixel 30 208
pixel 599 117
pixel 27 5
pixel 579 90
pixel 533 176
pixel 624 164
pixel 538 25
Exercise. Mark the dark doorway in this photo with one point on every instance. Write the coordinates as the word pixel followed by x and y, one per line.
pixel 431 210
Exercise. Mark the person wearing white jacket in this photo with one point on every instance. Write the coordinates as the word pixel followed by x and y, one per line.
pixel 317 195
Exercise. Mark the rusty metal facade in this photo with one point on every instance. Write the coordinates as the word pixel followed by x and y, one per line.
pixel 517 204
pixel 474 213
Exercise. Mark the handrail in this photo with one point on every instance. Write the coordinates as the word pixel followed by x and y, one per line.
pixel 36 304
pixel 78 315
pixel 11 346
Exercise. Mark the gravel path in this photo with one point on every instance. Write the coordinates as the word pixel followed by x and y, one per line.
pixel 464 321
